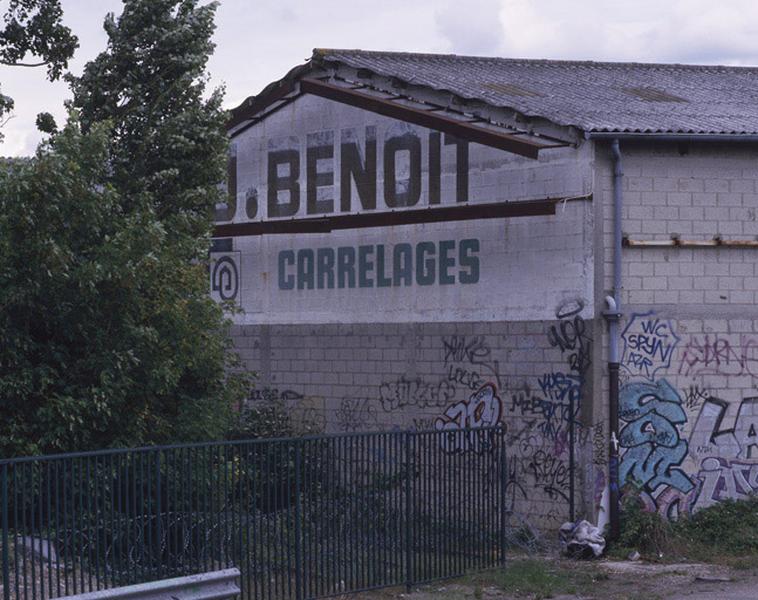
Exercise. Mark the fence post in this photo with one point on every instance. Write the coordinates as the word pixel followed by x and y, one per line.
pixel 408 515
pixel 503 492
pixel 158 509
pixel 6 544
pixel 298 533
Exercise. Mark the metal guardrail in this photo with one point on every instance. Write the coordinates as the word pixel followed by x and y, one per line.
pixel 300 517
pixel 217 585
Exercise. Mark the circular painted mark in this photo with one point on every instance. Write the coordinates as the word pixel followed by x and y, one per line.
pixel 225 278
pixel 569 308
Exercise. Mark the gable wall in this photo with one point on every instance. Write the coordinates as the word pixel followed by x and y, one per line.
pixel 516 344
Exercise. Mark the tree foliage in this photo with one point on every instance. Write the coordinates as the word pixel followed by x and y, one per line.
pixel 33 35
pixel 109 334
pixel 35 28
pixel 169 143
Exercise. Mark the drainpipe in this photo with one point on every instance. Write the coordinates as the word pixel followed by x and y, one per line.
pixel 612 316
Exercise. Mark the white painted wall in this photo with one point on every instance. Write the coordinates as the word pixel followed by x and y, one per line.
pixel 527 265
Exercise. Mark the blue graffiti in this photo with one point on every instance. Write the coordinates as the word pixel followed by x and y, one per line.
pixel 652 413
pixel 649 344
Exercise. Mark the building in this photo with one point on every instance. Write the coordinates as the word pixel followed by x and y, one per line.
pixel 566 248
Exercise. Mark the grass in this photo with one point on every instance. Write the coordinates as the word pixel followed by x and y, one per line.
pixel 536 578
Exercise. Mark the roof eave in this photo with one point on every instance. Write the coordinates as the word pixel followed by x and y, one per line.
pixel 672 137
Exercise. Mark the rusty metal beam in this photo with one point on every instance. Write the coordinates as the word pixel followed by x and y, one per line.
pixel 677 242
pixel 528 208
pixel 425 118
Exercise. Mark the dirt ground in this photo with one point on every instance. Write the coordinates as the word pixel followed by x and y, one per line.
pixel 605 579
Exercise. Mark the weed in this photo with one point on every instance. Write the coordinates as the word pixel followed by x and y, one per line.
pixel 646 531
pixel 729 527
pixel 725 533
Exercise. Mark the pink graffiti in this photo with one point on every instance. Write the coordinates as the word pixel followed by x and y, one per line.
pixel 671 503
pixel 482 409
pixel 722 479
pixel 718 355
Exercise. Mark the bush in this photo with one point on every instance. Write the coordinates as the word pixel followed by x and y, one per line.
pixel 729 527
pixel 724 530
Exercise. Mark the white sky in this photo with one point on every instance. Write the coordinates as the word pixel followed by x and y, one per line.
pixel 258 41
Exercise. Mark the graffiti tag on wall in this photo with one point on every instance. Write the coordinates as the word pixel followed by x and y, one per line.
pixel 469 361
pixel 739 442
pixel 654 449
pixel 482 409
pixel 570 336
pixel 404 392
pixel 713 354
pixel 649 344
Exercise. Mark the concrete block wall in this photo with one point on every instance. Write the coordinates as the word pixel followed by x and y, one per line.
pixel 526 375
pixel 690 377
pixel 513 348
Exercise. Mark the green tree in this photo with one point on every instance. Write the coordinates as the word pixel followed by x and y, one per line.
pixel 169 144
pixel 110 336
pixel 34 36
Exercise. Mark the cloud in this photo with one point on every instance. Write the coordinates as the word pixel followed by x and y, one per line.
pixel 471 28
pixel 645 30
pixel 259 41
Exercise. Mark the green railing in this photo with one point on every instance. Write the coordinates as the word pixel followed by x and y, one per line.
pixel 301 517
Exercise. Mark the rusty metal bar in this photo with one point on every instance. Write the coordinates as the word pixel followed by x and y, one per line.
pixel 676 242
pixel 425 118
pixel 527 208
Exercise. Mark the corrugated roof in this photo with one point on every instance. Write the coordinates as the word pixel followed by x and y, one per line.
pixel 592 96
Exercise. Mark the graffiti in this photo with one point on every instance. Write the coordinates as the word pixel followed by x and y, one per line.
pixel 568 308
pixel 720 355
pixel 550 474
pixel 471 351
pixel 740 442
pixel 267 394
pixel 562 440
pixel 514 487
pixel 670 502
pixel 694 397
pixel 649 344
pixel 654 451
pixel 482 409
pixel 570 336
pixel 553 415
pixel 423 424
pixel 599 447
pixel 722 479
pixel 515 436
pixel 403 392
pixel 356 414
pixel 469 379
pixel 307 413
pixel 560 387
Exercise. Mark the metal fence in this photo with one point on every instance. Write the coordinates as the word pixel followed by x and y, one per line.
pixel 301 517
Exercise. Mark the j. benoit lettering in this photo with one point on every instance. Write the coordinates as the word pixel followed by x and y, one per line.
pixel 353 169
pixel 425 263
